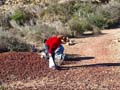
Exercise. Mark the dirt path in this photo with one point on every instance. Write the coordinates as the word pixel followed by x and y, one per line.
pixel 95 67
pixel 96 50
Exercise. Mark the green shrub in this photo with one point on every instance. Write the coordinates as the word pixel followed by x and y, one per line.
pixel 86 8
pixel 79 25
pixel 97 20
pixel 105 16
pixel 92 15
pixel 112 14
pixel 21 16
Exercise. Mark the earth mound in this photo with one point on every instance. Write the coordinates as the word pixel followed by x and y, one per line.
pixel 22 66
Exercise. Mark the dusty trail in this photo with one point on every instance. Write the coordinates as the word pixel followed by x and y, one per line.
pixel 96 50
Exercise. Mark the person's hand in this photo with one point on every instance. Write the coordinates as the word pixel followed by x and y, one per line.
pixel 50 55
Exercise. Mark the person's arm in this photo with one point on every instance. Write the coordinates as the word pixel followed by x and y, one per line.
pixel 50 50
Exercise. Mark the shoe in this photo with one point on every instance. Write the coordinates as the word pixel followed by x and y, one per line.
pixel 53 67
pixel 57 67
pixel 59 62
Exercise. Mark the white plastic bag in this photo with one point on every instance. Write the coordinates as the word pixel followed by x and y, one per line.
pixel 51 62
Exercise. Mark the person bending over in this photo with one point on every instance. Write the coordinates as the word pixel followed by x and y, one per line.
pixel 53 47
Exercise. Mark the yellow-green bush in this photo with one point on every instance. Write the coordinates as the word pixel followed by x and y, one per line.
pixel 2 88
pixel 21 16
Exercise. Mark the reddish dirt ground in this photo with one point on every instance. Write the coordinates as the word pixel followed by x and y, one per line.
pixel 92 65
pixel 21 66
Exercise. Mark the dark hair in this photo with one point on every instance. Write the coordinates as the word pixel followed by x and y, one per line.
pixel 44 40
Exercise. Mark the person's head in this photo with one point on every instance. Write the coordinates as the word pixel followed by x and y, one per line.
pixel 63 38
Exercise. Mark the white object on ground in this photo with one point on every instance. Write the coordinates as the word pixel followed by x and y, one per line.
pixel 43 54
pixel 51 62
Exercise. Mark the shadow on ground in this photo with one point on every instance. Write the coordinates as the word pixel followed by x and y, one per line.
pixel 91 35
pixel 79 58
pixel 75 57
pixel 91 65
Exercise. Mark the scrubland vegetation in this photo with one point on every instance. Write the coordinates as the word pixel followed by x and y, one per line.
pixel 21 25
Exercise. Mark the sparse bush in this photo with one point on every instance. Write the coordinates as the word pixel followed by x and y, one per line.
pixel 4 21
pixel 61 12
pixel 92 15
pixel 112 14
pixel 79 25
pixel 117 1
pixel 97 20
pixel 17 45
pixel 21 16
pixel 8 42
pixel 2 88
pixel 100 17
pixel 77 16
pixel 39 32
pixel 86 8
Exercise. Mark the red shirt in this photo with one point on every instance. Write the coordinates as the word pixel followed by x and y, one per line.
pixel 53 43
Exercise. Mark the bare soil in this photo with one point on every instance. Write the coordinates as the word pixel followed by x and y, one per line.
pixel 93 64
